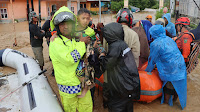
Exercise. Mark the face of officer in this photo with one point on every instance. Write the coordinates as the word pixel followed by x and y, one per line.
pixel 66 28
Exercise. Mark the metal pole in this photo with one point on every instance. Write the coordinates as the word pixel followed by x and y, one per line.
pixel 32 5
pixel 39 14
pixel 100 11
pixel 28 9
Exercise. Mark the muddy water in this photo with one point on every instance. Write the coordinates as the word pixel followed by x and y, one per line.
pixel 7 35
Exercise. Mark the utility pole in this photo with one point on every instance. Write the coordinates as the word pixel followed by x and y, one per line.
pixel 100 11
pixel 39 14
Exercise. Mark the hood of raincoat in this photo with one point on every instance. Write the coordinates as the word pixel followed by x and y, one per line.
pixel 62 9
pixel 157 31
pixel 147 25
pixel 170 27
pixel 113 32
pixel 167 16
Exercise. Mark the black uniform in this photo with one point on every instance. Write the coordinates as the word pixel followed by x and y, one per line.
pixel 123 79
pixel 46 28
pixel 35 31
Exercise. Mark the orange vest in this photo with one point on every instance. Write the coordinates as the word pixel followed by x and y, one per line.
pixel 184 43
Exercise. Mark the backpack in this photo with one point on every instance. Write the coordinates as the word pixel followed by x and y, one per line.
pixel 194 53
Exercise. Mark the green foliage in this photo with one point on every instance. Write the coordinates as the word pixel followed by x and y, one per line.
pixel 159 14
pixel 167 3
pixel 116 6
pixel 93 12
pixel 142 4
pixel 156 6
pixel 193 26
pixel 16 20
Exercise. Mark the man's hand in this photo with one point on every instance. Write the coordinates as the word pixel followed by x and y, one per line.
pixel 35 37
pixel 96 44
pixel 85 39
pixel 42 31
pixel 53 37
pixel 102 54
pixel 48 39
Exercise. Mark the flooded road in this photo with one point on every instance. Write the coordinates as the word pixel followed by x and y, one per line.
pixel 21 32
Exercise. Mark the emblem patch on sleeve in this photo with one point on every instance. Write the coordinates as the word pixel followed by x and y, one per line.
pixel 185 41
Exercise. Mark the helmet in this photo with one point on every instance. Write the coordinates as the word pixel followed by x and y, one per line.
pixel 64 16
pixel 124 15
pixel 160 21
pixel 149 16
pixel 183 21
pixel 32 14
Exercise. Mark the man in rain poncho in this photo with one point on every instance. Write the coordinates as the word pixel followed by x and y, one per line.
pixel 165 54
pixel 169 26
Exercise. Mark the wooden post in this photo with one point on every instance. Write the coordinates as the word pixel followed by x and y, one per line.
pixel 13 21
pixel 125 3
pixel 100 11
pixel 161 4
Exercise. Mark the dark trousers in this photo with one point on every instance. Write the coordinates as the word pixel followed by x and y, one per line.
pixel 92 90
pixel 120 105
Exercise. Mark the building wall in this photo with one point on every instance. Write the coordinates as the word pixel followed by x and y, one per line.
pixel 20 9
pixel 189 9
pixel 4 5
pixel 74 4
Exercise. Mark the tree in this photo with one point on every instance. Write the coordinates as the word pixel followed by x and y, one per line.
pixel 116 6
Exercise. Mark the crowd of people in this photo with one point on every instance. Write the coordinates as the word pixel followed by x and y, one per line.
pixel 80 52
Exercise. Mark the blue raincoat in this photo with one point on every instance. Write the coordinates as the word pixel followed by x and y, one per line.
pixel 170 63
pixel 170 26
pixel 147 25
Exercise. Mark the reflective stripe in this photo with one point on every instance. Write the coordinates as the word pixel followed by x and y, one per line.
pixel 98 82
pixel 126 51
pixel 74 57
pixel 77 53
pixel 70 89
pixel 151 93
